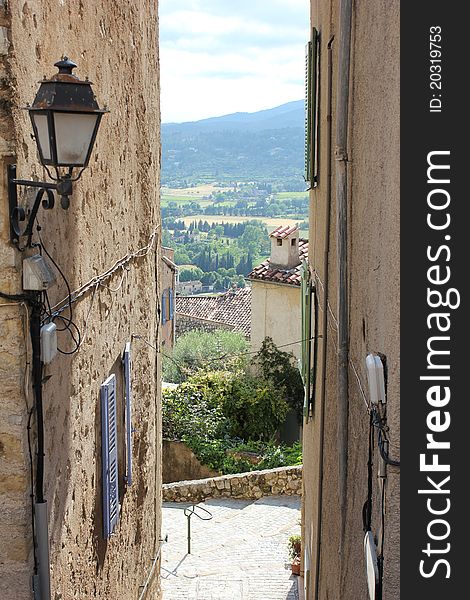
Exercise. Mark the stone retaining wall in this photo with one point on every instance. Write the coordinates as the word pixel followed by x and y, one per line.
pixel 251 486
pixel 180 463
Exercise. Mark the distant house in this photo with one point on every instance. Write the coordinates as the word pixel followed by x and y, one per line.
pixel 167 306
pixel 230 311
pixel 187 288
pixel 276 297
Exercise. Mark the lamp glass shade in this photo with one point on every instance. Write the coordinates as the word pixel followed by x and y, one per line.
pixel 74 137
pixel 42 134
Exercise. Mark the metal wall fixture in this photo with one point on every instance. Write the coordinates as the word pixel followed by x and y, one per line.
pixel 65 117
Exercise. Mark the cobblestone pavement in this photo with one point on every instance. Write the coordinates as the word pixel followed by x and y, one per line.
pixel 241 554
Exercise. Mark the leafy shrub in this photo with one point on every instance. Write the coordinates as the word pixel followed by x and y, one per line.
pixel 198 350
pixel 214 413
pixel 194 408
pixel 277 367
pixel 254 408
pixel 221 415
pixel 294 546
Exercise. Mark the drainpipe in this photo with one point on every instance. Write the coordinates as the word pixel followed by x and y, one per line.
pixel 40 506
pixel 342 251
pixel 324 332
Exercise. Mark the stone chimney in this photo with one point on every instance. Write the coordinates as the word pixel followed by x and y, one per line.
pixel 285 247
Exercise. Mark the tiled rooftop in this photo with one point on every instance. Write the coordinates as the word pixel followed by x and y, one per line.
pixel 232 308
pixel 266 272
pixel 283 231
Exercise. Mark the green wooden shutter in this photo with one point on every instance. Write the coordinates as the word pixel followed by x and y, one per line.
pixel 311 66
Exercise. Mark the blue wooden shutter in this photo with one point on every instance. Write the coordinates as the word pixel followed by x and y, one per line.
pixel 126 361
pixel 109 455
pixel 164 307
pixel 171 295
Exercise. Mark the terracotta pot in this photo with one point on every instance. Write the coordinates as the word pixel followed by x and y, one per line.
pixel 296 566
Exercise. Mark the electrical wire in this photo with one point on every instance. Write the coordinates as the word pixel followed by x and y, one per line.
pixel 18 298
pixel 31 466
pixel 43 247
pixel 98 279
pixel 69 324
pixel 381 438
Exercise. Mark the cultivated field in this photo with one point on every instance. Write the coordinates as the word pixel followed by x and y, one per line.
pixel 270 222
pixel 193 193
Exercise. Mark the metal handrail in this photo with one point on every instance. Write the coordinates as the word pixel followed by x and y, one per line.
pixel 189 512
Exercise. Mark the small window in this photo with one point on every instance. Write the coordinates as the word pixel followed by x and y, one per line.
pixel 292 243
pixel 164 308
pixel 279 242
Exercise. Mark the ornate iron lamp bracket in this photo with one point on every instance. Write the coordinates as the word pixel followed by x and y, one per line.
pixel 18 213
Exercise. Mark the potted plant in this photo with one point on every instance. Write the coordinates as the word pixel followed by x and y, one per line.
pixel 294 547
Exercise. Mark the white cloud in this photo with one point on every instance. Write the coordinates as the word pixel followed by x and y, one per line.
pixel 219 57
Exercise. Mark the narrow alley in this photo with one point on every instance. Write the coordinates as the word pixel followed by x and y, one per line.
pixel 240 554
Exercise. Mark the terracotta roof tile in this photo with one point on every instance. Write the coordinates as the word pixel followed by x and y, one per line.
pixel 283 231
pixel 232 308
pixel 266 272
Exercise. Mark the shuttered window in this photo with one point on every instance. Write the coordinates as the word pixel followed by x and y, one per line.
pixel 171 294
pixel 164 307
pixel 109 455
pixel 126 363
pixel 311 107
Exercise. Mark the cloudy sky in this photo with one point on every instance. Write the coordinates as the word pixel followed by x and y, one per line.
pixel 224 56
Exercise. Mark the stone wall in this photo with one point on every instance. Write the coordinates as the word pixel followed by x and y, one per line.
pixel 114 212
pixel 185 323
pixel 179 463
pixel 251 486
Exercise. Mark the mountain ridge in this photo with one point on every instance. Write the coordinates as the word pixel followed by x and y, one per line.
pixel 290 114
pixel 266 146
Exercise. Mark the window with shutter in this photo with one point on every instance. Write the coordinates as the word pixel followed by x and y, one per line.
pixel 126 362
pixel 164 300
pixel 109 455
pixel 311 88
pixel 172 302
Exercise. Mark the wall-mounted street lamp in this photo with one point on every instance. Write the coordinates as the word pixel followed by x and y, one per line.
pixel 65 117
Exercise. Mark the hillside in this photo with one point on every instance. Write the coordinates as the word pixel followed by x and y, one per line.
pixel 266 146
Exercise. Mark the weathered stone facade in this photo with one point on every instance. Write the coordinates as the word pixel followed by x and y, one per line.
pixel 114 212
pixel 252 486
pixel 336 437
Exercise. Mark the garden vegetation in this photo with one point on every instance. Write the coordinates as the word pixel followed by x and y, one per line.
pixel 230 403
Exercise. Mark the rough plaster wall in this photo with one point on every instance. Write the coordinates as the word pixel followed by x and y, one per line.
pixel 15 528
pixel 275 313
pixel 374 293
pixel 114 209
pixel 375 257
